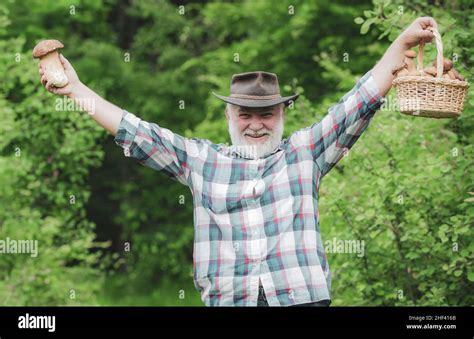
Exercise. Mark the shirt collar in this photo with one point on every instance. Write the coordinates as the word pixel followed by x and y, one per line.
pixel 234 151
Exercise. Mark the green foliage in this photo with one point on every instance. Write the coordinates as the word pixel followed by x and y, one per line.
pixel 405 188
pixel 45 159
pixel 407 192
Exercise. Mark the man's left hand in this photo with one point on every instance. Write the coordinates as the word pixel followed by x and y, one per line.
pixel 417 32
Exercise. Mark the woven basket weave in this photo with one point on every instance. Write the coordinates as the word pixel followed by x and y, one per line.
pixel 432 97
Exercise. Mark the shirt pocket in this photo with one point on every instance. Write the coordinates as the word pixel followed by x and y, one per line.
pixel 221 197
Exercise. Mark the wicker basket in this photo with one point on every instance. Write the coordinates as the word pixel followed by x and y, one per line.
pixel 432 97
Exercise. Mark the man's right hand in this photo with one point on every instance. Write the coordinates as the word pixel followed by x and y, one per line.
pixel 105 113
pixel 73 84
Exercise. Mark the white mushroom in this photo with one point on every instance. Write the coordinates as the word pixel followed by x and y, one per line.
pixel 46 51
pixel 409 56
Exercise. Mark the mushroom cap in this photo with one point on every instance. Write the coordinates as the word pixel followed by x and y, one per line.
pixel 46 46
pixel 414 73
pixel 430 70
pixel 399 68
pixel 403 72
pixel 451 74
pixel 447 64
pixel 457 75
pixel 410 54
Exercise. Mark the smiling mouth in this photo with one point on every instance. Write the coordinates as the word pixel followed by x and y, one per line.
pixel 256 136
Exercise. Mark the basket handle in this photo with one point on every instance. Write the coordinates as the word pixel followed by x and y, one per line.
pixel 439 56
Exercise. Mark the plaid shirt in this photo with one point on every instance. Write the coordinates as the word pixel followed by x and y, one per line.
pixel 257 221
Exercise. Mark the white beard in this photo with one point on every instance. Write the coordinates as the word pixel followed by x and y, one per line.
pixel 256 150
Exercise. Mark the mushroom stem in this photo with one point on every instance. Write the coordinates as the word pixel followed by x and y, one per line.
pixel 409 56
pixel 53 69
pixel 410 65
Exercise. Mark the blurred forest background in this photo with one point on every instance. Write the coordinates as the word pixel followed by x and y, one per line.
pixel 112 232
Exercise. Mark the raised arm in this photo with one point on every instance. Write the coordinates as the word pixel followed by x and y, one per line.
pixel 151 145
pixel 336 133
pixel 345 122
pixel 105 113
pixel 394 56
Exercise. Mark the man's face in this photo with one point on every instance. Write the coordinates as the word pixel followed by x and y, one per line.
pixel 261 128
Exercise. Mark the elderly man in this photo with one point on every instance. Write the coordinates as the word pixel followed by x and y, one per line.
pixel 256 218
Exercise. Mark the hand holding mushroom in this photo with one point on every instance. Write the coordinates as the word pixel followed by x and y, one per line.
pixel 53 69
pixel 57 74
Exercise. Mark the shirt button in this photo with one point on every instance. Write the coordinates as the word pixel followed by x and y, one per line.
pixel 126 151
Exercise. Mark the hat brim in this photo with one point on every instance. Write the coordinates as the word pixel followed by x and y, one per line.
pixel 258 103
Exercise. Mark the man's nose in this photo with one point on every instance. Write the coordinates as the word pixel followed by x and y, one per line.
pixel 256 124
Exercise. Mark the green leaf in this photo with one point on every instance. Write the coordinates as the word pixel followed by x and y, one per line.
pixel 366 26
pixel 358 20
pixel 373 234
pixel 470 275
